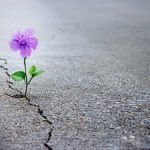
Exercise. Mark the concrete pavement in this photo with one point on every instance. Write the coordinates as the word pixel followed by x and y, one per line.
pixel 95 90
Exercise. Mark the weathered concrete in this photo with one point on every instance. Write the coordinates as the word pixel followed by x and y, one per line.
pixel 96 87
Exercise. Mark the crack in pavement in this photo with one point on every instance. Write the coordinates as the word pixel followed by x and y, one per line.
pixel 40 111
pixel 3 59
pixel 20 95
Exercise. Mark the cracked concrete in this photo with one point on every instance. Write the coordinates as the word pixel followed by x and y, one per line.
pixel 20 123
pixel 17 133
pixel 95 90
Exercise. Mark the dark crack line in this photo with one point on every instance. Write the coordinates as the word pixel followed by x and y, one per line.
pixel 49 138
pixel 3 59
pixel 15 89
pixel 4 68
pixel 14 96
pixel 20 95
pixel 7 74
pixel 9 82
pixel 40 111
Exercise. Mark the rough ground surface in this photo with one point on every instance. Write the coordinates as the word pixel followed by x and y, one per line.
pixel 96 88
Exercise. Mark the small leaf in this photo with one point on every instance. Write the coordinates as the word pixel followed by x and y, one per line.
pixel 37 73
pixel 18 76
pixel 32 70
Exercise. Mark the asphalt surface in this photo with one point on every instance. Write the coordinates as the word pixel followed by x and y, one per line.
pixel 95 92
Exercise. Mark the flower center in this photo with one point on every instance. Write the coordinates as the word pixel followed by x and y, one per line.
pixel 23 43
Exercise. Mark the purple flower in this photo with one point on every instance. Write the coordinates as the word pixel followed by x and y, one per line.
pixel 24 41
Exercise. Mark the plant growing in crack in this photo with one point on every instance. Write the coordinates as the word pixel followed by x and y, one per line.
pixel 25 42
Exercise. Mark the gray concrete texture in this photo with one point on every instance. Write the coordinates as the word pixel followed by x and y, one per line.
pixel 96 87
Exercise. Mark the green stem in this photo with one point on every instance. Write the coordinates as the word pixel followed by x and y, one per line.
pixel 30 80
pixel 26 79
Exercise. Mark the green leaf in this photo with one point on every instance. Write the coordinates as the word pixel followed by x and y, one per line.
pixel 32 70
pixel 18 76
pixel 37 73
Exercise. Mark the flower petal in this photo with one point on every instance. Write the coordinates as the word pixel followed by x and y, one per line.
pixel 25 53
pixel 17 35
pixel 33 42
pixel 24 41
pixel 14 45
